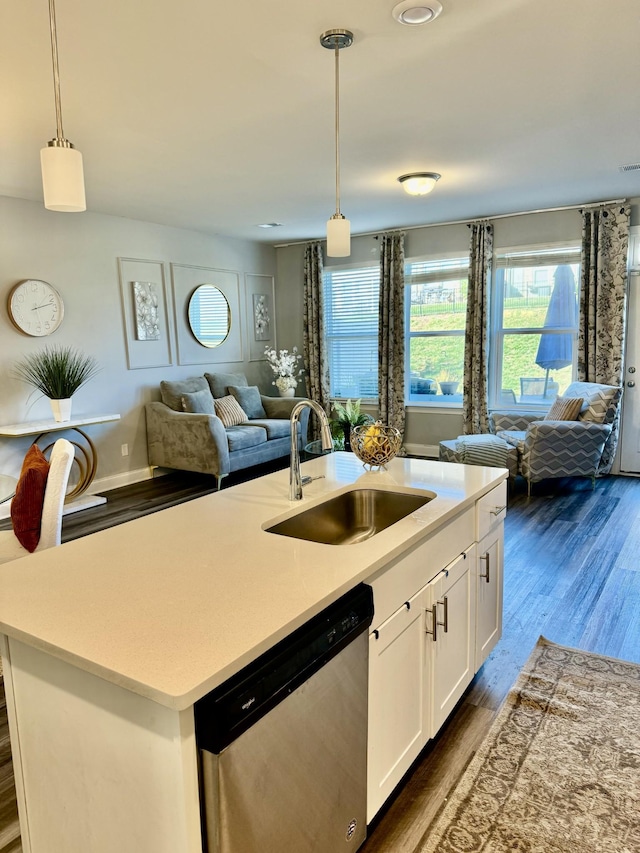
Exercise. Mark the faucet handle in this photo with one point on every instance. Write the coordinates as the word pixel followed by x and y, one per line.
pixel 307 479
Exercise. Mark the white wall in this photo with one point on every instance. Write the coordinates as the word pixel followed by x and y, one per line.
pixel 77 253
pixel 425 427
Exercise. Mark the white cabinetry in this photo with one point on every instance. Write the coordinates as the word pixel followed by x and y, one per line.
pixel 451 634
pixel 490 565
pixel 399 687
pixel 489 594
pixel 414 680
pixel 436 619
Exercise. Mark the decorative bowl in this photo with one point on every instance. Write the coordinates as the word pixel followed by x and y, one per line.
pixel 375 444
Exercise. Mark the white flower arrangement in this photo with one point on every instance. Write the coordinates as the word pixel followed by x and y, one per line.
pixel 285 366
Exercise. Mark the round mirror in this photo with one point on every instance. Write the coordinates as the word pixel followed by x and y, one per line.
pixel 209 315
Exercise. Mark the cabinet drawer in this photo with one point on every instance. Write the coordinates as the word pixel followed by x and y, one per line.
pixel 399 581
pixel 491 510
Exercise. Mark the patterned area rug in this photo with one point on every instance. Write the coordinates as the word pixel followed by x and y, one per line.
pixel 559 771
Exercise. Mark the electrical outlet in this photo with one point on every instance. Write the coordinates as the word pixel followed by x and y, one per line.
pixel 125 449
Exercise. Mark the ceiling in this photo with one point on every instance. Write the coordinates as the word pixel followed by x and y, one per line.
pixel 218 117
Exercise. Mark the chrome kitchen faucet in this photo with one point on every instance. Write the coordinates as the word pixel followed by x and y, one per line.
pixel 296 482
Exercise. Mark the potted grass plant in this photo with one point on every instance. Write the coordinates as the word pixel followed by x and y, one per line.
pixel 347 416
pixel 57 372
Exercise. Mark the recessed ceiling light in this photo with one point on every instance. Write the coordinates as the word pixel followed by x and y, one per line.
pixel 270 225
pixel 419 183
pixel 413 12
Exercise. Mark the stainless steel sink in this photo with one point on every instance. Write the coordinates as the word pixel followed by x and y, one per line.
pixel 351 517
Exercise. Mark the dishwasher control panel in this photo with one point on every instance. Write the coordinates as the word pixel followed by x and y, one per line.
pixel 225 713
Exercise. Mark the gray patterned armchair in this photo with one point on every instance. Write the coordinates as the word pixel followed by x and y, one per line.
pixel 550 448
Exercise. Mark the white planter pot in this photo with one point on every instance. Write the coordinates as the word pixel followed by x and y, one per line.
pixel 61 409
pixel 288 392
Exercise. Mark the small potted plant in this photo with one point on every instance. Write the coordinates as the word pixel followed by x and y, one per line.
pixel 346 417
pixel 285 366
pixel 448 382
pixel 57 372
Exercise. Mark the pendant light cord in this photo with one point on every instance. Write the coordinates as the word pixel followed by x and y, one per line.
pixel 56 72
pixel 337 62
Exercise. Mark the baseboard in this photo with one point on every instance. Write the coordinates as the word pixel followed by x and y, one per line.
pixel 127 478
pixel 429 451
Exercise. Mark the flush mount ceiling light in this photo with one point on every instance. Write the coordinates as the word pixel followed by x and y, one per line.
pixel 338 228
pixel 62 172
pixel 419 183
pixel 413 12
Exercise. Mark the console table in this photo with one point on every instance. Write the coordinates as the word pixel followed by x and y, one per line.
pixel 7 487
pixel 86 458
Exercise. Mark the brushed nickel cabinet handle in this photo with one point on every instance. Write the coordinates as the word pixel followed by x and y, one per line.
pixel 434 622
pixel 445 604
pixel 497 510
pixel 486 557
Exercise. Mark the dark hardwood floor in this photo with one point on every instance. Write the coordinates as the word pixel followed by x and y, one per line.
pixel 572 573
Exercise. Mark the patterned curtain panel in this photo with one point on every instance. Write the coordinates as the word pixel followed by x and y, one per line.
pixel 314 341
pixel 475 407
pixel 391 332
pixel 603 296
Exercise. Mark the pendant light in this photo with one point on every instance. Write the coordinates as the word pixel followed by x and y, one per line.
pixel 338 228
pixel 62 173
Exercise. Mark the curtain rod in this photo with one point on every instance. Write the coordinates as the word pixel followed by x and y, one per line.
pixel 467 221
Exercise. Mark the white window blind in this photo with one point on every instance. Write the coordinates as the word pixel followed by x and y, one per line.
pixel 541 258
pixel 351 323
pixel 433 272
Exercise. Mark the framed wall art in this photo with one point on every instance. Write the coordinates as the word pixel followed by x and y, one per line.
pixel 145 313
pixel 145 306
pixel 260 314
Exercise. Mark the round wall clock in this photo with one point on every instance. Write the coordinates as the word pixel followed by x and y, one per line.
pixel 35 307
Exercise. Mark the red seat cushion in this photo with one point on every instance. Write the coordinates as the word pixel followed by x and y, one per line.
pixel 26 506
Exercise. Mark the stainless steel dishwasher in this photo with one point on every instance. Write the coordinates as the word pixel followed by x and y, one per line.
pixel 283 744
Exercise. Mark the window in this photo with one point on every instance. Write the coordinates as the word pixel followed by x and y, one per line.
pixel 436 313
pixel 535 325
pixel 352 297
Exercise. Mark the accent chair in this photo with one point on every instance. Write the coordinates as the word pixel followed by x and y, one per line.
pixel 44 530
pixel 550 448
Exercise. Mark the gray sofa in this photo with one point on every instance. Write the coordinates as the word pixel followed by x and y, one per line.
pixel 197 440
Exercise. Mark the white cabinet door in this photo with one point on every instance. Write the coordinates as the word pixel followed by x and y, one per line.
pixel 398 699
pixel 451 634
pixel 489 593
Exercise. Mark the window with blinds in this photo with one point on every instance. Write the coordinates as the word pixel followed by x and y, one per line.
pixel 436 307
pixel 351 323
pixel 534 325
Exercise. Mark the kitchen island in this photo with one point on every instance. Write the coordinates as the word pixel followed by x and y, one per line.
pixel 109 640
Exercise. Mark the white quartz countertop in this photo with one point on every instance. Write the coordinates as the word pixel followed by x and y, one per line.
pixel 171 604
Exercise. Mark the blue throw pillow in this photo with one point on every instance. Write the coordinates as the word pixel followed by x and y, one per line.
pixel 249 398
pixel 198 402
